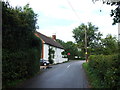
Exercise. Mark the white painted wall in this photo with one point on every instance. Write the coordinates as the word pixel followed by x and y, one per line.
pixel 58 54
pixel 46 48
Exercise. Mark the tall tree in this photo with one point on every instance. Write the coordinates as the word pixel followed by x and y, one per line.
pixel 61 42
pixel 69 47
pixel 93 36
pixel 109 45
pixel 18 27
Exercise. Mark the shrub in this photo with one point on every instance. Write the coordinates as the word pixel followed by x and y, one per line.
pixel 21 48
pixel 105 68
pixel 20 64
pixel 51 55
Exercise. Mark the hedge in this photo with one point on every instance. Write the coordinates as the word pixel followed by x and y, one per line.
pixel 20 64
pixel 21 49
pixel 105 67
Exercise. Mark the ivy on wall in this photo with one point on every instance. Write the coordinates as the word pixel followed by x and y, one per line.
pixel 51 55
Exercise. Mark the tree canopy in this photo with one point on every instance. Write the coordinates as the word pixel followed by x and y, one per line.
pixel 109 45
pixel 21 49
pixel 93 36
pixel 70 47
pixel 18 25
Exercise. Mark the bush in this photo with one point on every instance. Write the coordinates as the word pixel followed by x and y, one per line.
pixel 82 58
pixel 51 55
pixel 21 48
pixel 106 69
pixel 19 64
pixel 94 81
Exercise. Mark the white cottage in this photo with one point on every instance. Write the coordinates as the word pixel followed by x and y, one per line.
pixel 47 43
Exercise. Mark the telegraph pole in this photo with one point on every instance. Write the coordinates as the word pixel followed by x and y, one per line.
pixel 86 44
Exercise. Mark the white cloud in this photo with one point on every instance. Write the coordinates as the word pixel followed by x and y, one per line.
pixel 62 32
pixel 60 9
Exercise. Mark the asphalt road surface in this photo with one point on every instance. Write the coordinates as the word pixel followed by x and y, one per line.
pixel 66 75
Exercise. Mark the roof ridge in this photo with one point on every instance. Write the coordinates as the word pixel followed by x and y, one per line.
pixel 49 40
pixel 43 34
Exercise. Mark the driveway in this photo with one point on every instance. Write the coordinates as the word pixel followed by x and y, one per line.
pixel 66 75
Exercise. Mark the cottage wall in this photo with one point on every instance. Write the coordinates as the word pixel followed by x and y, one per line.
pixel 46 51
pixel 51 43
pixel 58 54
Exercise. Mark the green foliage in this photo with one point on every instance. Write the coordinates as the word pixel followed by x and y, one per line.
pixel 21 48
pixel 94 81
pixel 109 45
pixel 18 25
pixel 61 42
pixel 93 38
pixel 106 69
pixel 51 55
pixel 69 47
pixel 95 44
pixel 64 54
pixel 115 13
pixel 92 35
pixel 19 64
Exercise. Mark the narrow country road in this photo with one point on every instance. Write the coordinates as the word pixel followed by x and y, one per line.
pixel 66 75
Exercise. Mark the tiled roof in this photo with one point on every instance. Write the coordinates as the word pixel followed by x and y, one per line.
pixel 49 40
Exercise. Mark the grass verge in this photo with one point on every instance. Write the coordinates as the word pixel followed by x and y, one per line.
pixel 92 77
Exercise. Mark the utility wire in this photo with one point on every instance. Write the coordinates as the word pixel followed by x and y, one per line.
pixel 73 9
pixel 86 55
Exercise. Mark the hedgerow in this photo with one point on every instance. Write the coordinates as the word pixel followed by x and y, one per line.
pixel 105 68
pixel 21 49
pixel 19 64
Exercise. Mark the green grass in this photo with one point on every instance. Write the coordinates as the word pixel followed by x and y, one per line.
pixel 92 77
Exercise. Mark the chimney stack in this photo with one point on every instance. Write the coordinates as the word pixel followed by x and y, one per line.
pixel 54 37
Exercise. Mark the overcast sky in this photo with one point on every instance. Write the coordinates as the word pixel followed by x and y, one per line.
pixel 57 16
